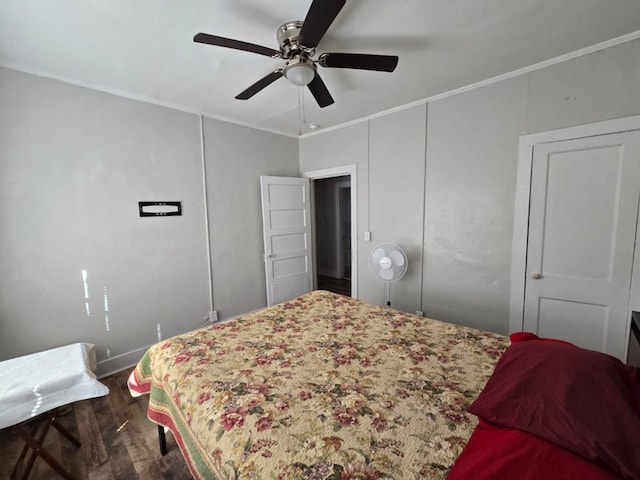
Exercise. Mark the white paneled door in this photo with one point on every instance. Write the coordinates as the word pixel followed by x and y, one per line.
pixel 582 227
pixel 286 217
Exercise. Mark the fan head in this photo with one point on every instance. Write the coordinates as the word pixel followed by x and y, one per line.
pixel 388 262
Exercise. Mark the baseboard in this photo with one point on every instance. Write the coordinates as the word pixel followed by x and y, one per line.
pixel 116 364
pixel 121 362
pixel 130 359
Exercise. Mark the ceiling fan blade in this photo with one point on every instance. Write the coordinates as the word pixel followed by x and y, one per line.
pixel 259 85
pixel 320 16
pixel 360 61
pixel 320 92
pixel 237 44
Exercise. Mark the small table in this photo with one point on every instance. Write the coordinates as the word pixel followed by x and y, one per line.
pixel 36 385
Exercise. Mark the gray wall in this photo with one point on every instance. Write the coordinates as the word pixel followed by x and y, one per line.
pixel 73 165
pixel 468 187
pixel 74 162
pixel 350 148
pixel 396 196
pixel 389 156
pixel 472 151
pixel 236 156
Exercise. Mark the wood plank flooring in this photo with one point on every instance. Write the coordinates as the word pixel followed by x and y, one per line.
pixel 118 441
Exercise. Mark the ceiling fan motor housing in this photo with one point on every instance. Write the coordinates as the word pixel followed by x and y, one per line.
pixel 300 69
pixel 287 35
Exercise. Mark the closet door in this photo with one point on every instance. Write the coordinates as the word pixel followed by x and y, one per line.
pixel 582 228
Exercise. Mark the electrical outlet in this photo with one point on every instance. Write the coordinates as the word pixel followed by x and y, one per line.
pixel 211 317
pixel 420 313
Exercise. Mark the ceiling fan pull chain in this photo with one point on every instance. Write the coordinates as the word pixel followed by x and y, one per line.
pixel 300 112
pixel 304 112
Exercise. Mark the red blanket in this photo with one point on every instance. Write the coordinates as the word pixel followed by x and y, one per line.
pixel 495 453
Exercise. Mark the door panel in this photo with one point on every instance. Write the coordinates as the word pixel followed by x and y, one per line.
pixel 572 179
pixel 286 243
pixel 287 237
pixel 583 209
pixel 585 321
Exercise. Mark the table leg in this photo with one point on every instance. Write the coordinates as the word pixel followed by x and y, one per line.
pixel 22 430
pixel 73 440
pixel 34 440
pixel 39 440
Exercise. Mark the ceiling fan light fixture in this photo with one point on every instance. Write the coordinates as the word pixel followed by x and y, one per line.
pixel 300 71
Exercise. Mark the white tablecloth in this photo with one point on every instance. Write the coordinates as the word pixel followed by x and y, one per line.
pixel 36 383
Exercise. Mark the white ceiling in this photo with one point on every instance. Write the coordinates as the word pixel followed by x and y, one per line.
pixel 143 49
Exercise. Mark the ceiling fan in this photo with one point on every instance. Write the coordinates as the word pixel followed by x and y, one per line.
pixel 298 41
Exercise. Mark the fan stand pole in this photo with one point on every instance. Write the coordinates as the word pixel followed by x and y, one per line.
pixel 387 294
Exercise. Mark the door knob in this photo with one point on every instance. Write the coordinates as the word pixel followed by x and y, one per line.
pixel 536 276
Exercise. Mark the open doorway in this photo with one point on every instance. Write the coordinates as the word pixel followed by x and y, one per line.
pixel 334 229
pixel 332 206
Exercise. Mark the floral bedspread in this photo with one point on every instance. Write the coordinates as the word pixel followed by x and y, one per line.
pixel 321 387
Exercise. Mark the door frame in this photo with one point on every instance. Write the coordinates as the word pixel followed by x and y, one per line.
pixel 351 171
pixel 523 195
pixel 339 187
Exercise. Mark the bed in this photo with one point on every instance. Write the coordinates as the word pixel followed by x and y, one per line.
pixel 321 387
pixel 328 387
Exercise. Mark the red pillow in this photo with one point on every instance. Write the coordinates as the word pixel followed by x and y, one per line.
pixel 581 400
pixel 528 336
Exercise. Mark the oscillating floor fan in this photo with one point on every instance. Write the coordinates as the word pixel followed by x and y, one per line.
pixel 388 262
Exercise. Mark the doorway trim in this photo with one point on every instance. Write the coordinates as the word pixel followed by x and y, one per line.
pixel 339 187
pixel 350 170
pixel 523 193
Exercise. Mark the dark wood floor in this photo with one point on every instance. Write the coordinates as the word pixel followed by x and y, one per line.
pixel 335 285
pixel 118 441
